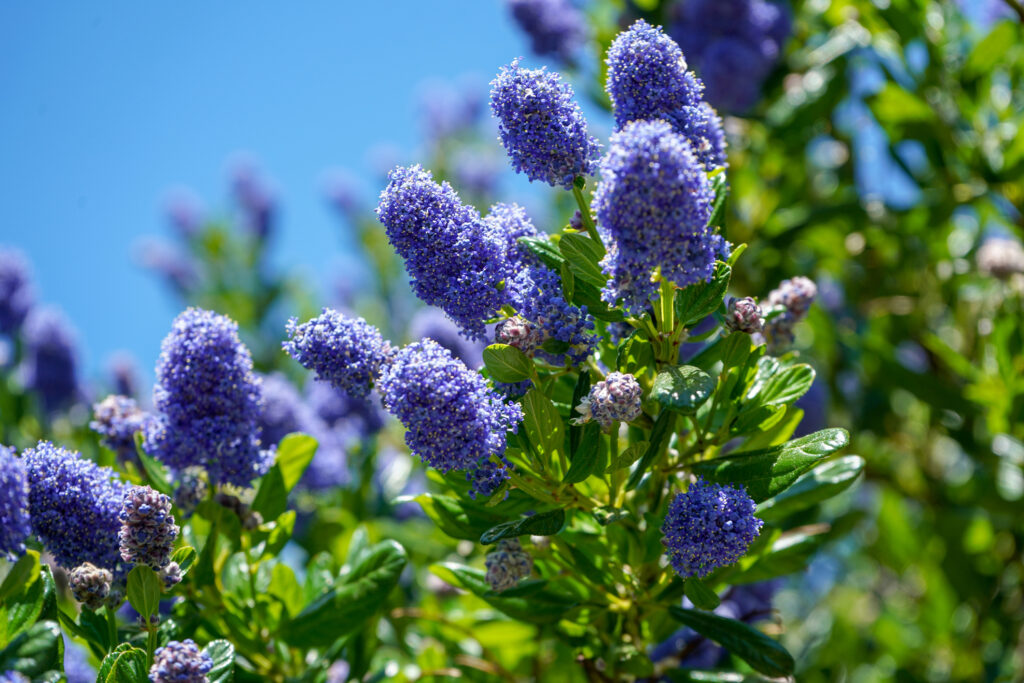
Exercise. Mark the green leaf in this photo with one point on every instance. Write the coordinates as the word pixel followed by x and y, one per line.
pixel 683 388
pixel 294 454
pixel 271 496
pixel 583 256
pixel 587 455
pixel 507 363
pixel 762 653
pixel 769 471
pixel 36 600
pixel 542 248
pixel 144 589
pixel 786 386
pixel 720 186
pixel 222 653
pixel 22 574
pixel 628 456
pixel 539 607
pixel 700 595
pixel 453 518
pixel 543 423
pixel 698 301
pixel 156 473
pixel 635 354
pixel 185 557
pixel 542 524
pixel 126 664
pixel 660 435
pixel 991 49
pixel 356 597
pixel 568 282
pixel 36 651
pixel 893 104
pixel 819 484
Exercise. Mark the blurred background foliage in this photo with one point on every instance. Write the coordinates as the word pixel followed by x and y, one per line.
pixel 882 148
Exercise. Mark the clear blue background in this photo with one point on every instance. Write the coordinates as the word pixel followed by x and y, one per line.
pixel 108 105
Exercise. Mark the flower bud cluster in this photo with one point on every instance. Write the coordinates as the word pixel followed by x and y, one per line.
pixel 90 585
pixel 507 564
pixel 617 398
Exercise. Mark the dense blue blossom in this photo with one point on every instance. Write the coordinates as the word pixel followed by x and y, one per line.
pixel 16 292
pixel 363 417
pixel 707 527
pixel 284 410
pixel 732 44
pixel 557 28
pixel 652 206
pixel 90 585
pixel 648 79
pixel 74 506
pixel 51 362
pixel 347 352
pixel 147 528
pixel 14 520
pixel 507 564
pixel 539 299
pixel 180 662
pixel 542 126
pixel 616 398
pixel 208 400
pixel 116 419
pixel 455 258
pixel 453 420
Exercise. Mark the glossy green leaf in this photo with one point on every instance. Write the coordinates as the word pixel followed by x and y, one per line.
pixel 542 524
pixel 583 256
pixel 786 385
pixel 185 557
pixel 660 436
pixel 698 301
pixel 700 595
pixel 769 471
pixel 720 186
pixel 144 589
pixel 357 596
pixel 222 653
pixel 820 484
pixel 453 518
pixel 542 248
pixel 629 456
pixel 635 354
pixel 543 424
pixel 586 458
pixel 543 606
pixel 507 363
pixel 156 474
pixel 683 388
pixel 126 664
pixel 35 652
pixel 762 653
pixel 294 454
pixel 24 572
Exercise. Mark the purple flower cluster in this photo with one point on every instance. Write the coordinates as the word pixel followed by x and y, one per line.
pixel 707 527
pixel 180 662
pixel 616 398
pixel 208 400
pixel 796 296
pixel 732 44
pixel 147 528
pixel 51 363
pixel 453 420
pixel 652 205
pixel 455 258
pixel 430 322
pixel 648 79
pixel 557 28
pixel 542 126
pixel 74 506
pixel 16 291
pixel 347 352
pixel 13 677
pixel 116 419
pixel 14 518
pixel 539 300
pixel 90 585
pixel 743 315
pixel 507 564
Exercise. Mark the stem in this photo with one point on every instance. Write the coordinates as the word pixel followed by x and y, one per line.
pixel 617 472
pixel 150 644
pixel 588 222
pixel 668 313
pixel 112 628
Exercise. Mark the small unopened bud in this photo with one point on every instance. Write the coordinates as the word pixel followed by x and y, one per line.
pixel 744 315
pixel 90 585
pixel 520 333
pixel 617 398
pixel 576 222
pixel 170 575
pixel 796 294
pixel 507 564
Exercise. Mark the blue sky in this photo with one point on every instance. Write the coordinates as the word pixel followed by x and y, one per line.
pixel 109 105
